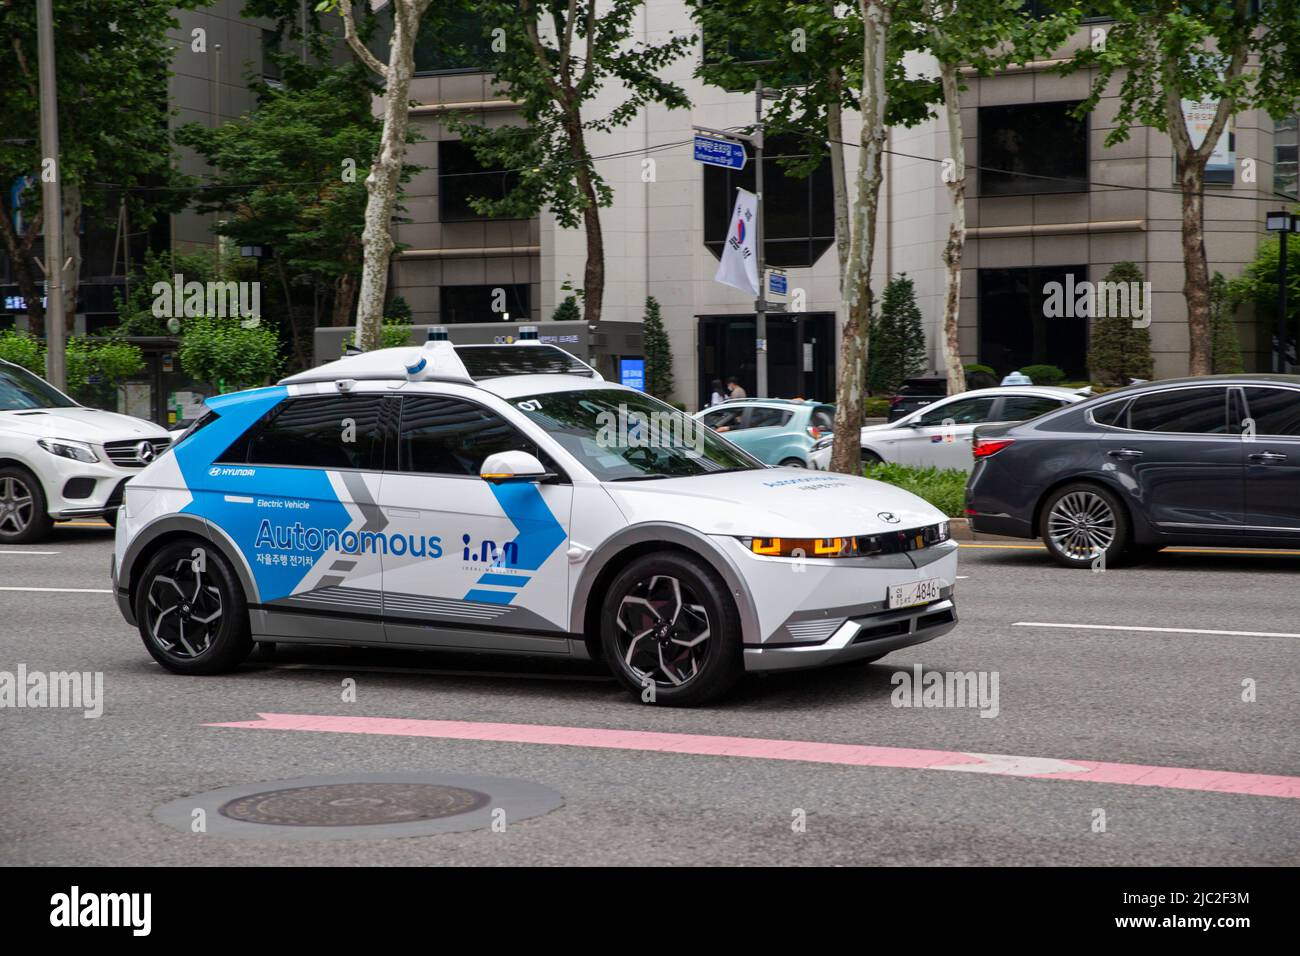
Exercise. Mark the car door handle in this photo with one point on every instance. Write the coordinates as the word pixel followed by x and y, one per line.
pixel 1125 453
pixel 402 512
pixel 1267 457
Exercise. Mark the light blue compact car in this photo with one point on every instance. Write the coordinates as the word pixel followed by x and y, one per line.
pixel 777 431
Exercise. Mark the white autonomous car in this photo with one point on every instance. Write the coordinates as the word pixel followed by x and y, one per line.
pixel 505 498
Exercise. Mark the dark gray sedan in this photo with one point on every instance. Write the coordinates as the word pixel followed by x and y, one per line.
pixel 1204 461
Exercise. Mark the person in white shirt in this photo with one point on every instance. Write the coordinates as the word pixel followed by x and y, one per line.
pixel 718 396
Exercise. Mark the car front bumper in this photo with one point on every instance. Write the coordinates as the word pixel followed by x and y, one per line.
pixel 76 489
pixel 867 635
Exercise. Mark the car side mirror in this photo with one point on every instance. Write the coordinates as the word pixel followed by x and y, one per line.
pixel 513 466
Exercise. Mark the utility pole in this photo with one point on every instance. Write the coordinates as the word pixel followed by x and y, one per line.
pixel 51 198
pixel 760 304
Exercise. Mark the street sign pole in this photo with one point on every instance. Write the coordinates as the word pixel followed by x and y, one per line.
pixel 51 199
pixel 760 304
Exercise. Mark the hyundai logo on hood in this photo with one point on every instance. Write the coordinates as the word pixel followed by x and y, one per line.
pixel 888 516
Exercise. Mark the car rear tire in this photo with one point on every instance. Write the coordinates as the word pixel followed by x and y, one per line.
pixel 670 631
pixel 192 613
pixel 869 458
pixel 794 463
pixel 1082 521
pixel 24 517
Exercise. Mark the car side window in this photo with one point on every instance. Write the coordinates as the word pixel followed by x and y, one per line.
pixel 1276 411
pixel 724 418
pixel 334 431
pixel 1020 408
pixel 823 418
pixel 965 411
pixel 1110 413
pixel 1196 411
pixel 761 417
pixel 447 436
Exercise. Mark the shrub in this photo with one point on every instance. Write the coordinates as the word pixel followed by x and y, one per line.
pixel 876 408
pixel 1225 346
pixel 23 348
pixel 1119 351
pixel 658 352
pixel 395 332
pixel 1044 374
pixel 945 489
pixel 567 310
pixel 897 343
pixel 224 355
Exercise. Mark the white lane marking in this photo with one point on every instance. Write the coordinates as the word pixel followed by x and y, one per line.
pixel 65 590
pixel 31 552
pixel 1007 765
pixel 962 577
pixel 1158 630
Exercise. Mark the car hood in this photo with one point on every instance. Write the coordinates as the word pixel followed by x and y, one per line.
pixel 774 502
pixel 78 424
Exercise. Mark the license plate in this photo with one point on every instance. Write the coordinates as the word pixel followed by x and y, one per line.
pixel 917 592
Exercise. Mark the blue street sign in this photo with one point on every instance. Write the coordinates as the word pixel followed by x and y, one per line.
pixel 631 372
pixel 720 152
pixel 777 283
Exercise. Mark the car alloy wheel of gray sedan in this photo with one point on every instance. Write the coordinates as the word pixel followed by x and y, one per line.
pixel 1082 525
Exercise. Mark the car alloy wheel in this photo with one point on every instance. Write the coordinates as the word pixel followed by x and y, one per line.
pixel 17 506
pixel 183 610
pixel 1082 525
pixel 663 631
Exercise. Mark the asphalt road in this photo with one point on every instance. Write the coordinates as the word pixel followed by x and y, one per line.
pixel 82 791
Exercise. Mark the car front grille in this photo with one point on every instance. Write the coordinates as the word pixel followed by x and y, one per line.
pixel 126 454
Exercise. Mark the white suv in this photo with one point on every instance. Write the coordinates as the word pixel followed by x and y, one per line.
pixel 61 460
pixel 507 499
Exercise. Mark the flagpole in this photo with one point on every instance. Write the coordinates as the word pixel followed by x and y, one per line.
pixel 760 304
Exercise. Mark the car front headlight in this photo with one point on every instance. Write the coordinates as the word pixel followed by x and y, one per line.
pixel 821 443
pixel 76 450
pixel 804 547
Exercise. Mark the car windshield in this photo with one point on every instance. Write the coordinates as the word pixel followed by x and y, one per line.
pixel 621 435
pixel 21 389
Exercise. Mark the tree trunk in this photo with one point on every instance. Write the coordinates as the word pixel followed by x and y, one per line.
pixel 593 280
pixel 1196 283
pixel 956 245
pixel 839 183
pixel 385 177
pixel 72 254
pixel 19 250
pixel 846 455
pixel 345 297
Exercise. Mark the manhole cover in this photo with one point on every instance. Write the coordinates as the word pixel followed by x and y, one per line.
pixel 354 804
pixel 374 806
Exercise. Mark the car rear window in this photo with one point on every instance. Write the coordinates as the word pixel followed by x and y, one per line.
pixel 1196 411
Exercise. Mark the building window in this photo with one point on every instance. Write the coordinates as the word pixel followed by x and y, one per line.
pixel 485 303
pixel 1286 143
pixel 798 215
pixel 1034 148
pixel 1014 329
pixel 452 40
pixel 271 50
pixel 462 178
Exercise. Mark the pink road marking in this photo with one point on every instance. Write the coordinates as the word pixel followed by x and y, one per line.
pixel 856 755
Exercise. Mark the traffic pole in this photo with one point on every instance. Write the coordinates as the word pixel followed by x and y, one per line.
pixel 51 198
pixel 760 304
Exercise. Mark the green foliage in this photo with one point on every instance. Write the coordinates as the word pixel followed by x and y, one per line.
pixel 1226 346
pixel 944 488
pixel 549 152
pixel 222 354
pixel 875 408
pixel 1118 351
pixel 658 352
pixel 23 348
pixel 1257 285
pixel 135 315
pixel 976 369
pixel 1043 374
pixel 897 349
pixel 112 362
pixel 395 332
pixel 398 310
pixel 567 310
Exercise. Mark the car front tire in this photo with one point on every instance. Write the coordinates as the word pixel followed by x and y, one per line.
pixel 24 516
pixel 191 610
pixel 794 463
pixel 1084 526
pixel 670 631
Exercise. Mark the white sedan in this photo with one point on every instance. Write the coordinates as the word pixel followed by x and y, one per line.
pixel 940 434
